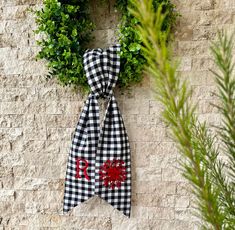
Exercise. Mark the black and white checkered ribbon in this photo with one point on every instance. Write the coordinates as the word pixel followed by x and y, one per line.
pixel 99 158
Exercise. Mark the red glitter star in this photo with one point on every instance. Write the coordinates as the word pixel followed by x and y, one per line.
pixel 113 173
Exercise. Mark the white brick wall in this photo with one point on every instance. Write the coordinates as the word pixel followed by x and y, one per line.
pixel 37 119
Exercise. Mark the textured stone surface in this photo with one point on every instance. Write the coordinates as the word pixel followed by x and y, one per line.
pixel 38 118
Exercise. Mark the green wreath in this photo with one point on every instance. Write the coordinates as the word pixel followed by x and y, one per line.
pixel 66 28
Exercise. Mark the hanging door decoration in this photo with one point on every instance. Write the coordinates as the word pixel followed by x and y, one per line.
pixel 99 158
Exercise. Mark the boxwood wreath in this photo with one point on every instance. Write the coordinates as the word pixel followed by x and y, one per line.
pixel 66 29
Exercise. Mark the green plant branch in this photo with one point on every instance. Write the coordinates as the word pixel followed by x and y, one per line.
pixel 222 52
pixel 200 165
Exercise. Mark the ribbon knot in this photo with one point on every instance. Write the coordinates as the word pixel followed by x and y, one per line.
pixel 102 69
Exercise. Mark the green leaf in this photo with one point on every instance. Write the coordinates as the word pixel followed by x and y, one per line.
pixel 134 47
pixel 74 32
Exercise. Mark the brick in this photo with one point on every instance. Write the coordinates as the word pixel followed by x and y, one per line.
pixel 172 174
pixel 11 158
pixel 161 213
pixel 2 26
pixel 11 121
pixel 228 4
pixel 55 107
pixel 185 64
pixel 182 201
pixel 7 195
pixel 184 34
pixel 204 33
pixel 184 214
pixel 148 174
pixel 198 18
pixel 14 12
pixel 163 160
pixel 205 5
pixel 161 187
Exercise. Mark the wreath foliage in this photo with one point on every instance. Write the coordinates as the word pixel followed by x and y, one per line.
pixel 66 29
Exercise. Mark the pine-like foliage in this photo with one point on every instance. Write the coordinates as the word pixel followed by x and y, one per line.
pixel 212 180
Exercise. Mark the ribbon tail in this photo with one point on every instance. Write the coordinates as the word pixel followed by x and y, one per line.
pixel 79 182
pixel 116 152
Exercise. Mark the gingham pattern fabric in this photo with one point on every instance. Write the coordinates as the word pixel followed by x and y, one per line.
pixel 97 144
